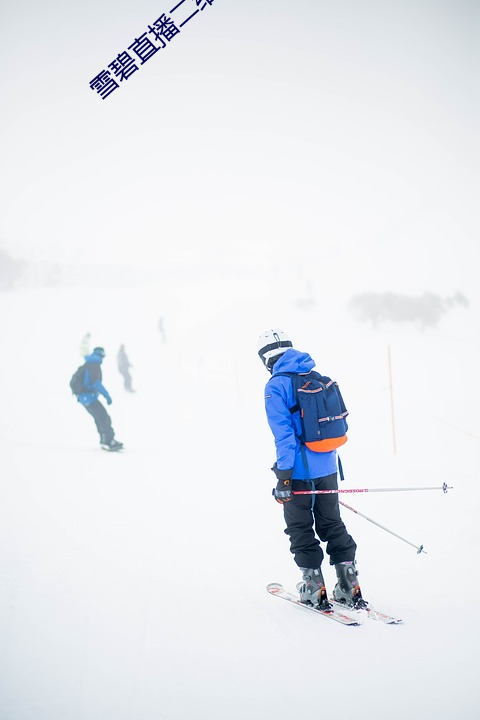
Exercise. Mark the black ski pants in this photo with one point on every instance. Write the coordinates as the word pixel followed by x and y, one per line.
pixel 310 517
pixel 102 421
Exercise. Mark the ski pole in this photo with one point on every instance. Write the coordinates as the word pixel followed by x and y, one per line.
pixel 443 487
pixel 419 548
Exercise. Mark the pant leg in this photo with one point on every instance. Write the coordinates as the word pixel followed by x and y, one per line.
pixel 329 525
pixel 127 380
pixel 102 421
pixel 304 544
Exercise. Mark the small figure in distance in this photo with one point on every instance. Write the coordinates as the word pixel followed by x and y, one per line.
pixel 85 345
pixel 161 329
pixel 124 366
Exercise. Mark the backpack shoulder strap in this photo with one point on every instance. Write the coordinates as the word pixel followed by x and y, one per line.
pixel 293 377
pixel 86 376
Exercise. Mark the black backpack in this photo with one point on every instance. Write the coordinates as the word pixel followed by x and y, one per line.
pixel 77 382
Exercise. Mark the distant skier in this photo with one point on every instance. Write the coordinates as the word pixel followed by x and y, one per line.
pixel 124 366
pixel 161 329
pixel 85 345
pixel 300 468
pixel 87 386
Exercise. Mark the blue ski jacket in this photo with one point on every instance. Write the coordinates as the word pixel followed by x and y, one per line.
pixel 285 426
pixel 93 381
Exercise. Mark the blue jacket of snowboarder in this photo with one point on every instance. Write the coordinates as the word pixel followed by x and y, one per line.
pixel 93 381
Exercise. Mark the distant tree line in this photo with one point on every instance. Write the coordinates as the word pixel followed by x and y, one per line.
pixel 11 270
pixel 426 309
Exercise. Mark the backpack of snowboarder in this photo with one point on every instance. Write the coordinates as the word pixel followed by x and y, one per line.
pixel 78 378
pixel 322 411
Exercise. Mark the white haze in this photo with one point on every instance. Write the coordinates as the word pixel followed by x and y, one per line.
pixel 347 129
pixel 275 160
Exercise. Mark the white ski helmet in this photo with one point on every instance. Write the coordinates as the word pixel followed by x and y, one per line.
pixel 271 344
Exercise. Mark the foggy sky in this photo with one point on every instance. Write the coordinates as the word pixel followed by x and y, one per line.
pixel 349 129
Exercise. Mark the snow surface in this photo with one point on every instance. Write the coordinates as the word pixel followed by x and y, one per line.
pixel 133 585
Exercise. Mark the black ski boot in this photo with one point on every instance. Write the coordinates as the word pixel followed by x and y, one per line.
pixel 312 589
pixel 347 590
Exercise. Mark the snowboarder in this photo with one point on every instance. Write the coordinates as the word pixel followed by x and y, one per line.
pixel 88 397
pixel 123 364
pixel 308 518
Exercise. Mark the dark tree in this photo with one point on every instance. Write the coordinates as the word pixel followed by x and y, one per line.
pixel 426 309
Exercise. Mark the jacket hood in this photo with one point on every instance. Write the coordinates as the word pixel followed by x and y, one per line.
pixel 293 361
pixel 93 358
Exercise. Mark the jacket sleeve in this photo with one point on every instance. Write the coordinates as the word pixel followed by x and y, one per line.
pixel 281 424
pixel 99 387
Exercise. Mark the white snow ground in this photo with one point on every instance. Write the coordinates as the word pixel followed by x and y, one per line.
pixel 132 586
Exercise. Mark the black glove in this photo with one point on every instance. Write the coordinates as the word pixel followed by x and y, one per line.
pixel 283 492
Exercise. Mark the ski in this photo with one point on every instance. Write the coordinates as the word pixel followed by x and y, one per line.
pixel 337 614
pixel 371 613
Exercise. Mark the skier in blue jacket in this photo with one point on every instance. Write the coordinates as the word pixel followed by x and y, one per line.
pixel 93 387
pixel 309 518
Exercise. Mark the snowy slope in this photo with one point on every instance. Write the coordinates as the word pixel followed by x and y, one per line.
pixel 116 569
